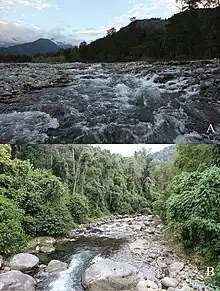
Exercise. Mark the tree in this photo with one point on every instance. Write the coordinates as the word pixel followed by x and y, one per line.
pixel 193 4
pixel 133 19
pixel 83 44
pixel 111 31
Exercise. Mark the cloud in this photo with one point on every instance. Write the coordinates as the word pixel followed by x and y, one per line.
pixel 14 32
pixel 38 4
pixel 23 32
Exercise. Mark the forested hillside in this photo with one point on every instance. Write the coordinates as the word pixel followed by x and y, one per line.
pixel 188 35
pixel 47 190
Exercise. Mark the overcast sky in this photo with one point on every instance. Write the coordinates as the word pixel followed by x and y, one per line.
pixel 127 150
pixel 74 20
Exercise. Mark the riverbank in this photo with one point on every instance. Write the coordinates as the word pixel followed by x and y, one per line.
pixel 139 241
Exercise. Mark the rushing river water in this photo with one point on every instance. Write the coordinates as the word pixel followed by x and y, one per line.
pixel 110 103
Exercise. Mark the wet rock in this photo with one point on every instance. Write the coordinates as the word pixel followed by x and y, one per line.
pixel 23 262
pixel 16 280
pixel 110 275
pixel 169 282
pixel 145 115
pixel 56 266
pixel 200 71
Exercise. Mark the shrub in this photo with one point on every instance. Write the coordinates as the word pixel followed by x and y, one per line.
pixel 79 208
pixel 195 203
pixel 12 236
pixel 55 220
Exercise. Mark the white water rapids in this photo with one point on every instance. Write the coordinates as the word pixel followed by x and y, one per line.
pixel 107 103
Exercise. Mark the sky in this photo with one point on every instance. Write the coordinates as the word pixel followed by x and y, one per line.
pixel 127 150
pixel 73 21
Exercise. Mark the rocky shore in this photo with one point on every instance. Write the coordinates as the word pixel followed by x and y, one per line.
pixel 145 239
pixel 17 79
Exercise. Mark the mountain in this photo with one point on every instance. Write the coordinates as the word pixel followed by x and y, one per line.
pixel 189 35
pixel 165 154
pixel 64 45
pixel 40 46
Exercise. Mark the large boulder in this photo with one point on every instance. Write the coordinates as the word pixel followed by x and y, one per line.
pixel 110 275
pixel 56 266
pixel 23 262
pixel 16 280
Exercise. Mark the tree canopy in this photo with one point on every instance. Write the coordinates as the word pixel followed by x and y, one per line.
pixel 49 189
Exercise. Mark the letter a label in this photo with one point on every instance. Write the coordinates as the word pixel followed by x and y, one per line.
pixel 210 129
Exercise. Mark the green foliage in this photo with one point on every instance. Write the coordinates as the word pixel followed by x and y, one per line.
pixel 195 202
pixel 40 196
pixel 79 208
pixel 55 220
pixel 12 236
pixel 216 277
pixel 185 159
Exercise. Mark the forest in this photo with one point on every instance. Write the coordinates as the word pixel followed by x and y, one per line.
pixel 50 189
pixel 193 33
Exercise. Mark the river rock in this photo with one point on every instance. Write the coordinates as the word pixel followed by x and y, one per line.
pixel 110 275
pixel 16 280
pixel 23 262
pixel 161 262
pixel 56 266
pixel 176 267
pixel 47 249
pixel 200 71
pixel 147 285
pixel 169 282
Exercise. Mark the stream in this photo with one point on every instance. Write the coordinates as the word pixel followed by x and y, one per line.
pixel 118 239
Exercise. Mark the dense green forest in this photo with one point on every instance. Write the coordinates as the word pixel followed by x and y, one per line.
pixel 191 34
pixel 49 189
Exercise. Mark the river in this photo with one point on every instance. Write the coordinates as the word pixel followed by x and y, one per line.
pixel 114 103
pixel 121 240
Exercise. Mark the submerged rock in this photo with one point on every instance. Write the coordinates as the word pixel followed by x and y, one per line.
pixel 110 275
pixel 23 262
pixel 16 280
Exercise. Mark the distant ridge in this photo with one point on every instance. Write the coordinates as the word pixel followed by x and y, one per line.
pixel 40 46
pixel 165 154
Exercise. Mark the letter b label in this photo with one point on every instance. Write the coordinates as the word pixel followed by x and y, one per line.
pixel 210 271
